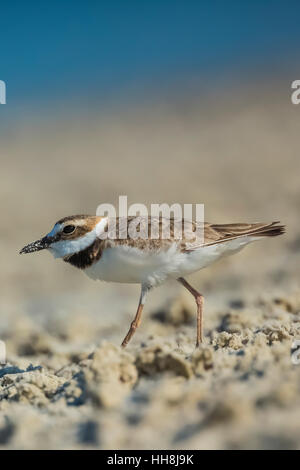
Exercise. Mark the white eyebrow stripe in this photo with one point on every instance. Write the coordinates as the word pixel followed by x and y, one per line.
pixel 100 227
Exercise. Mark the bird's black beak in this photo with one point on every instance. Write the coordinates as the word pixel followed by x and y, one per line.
pixel 38 245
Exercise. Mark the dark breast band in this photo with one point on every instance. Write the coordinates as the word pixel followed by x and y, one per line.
pixel 85 258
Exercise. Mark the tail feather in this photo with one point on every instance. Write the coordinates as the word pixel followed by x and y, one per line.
pixel 220 233
pixel 215 233
pixel 270 231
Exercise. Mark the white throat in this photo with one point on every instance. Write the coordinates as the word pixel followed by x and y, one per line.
pixel 69 247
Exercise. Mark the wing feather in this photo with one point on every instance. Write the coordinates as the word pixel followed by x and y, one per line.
pixel 219 233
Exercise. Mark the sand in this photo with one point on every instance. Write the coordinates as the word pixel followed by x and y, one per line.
pixel 238 390
pixel 67 384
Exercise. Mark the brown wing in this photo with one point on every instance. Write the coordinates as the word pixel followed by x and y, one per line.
pixel 218 233
pixel 213 233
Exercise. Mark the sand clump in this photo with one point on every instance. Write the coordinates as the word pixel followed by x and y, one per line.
pixel 110 374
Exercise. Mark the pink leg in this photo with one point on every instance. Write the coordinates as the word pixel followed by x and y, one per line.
pixel 137 319
pixel 199 302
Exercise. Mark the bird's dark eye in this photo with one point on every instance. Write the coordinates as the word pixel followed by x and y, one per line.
pixel 69 229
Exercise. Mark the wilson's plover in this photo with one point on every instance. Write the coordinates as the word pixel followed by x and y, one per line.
pixel 79 240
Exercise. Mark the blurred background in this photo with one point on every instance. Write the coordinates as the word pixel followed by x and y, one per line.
pixel 170 101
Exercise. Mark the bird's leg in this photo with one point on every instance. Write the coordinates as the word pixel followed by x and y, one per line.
pixel 199 301
pixel 137 319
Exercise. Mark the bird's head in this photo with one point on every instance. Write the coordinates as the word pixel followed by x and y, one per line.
pixel 68 236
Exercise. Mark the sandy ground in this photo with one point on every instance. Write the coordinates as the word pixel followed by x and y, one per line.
pixel 67 383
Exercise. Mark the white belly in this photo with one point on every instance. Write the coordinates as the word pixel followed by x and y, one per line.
pixel 131 265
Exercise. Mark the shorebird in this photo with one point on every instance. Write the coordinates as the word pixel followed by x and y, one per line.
pixel 79 240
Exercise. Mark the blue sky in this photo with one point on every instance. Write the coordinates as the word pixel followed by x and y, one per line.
pixel 91 50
